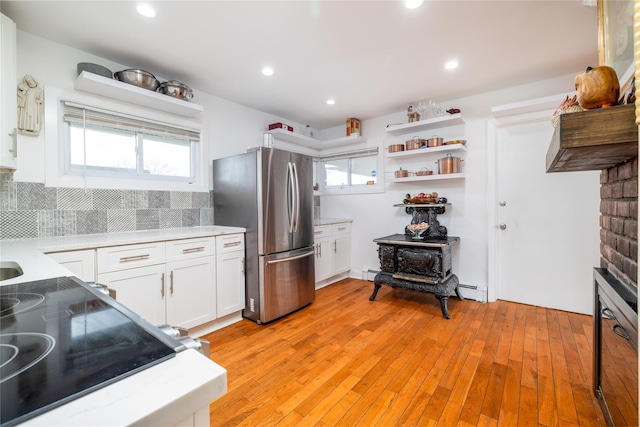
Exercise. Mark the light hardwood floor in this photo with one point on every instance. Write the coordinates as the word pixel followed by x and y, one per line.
pixel 345 360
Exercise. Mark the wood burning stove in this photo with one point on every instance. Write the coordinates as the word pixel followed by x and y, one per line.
pixel 421 263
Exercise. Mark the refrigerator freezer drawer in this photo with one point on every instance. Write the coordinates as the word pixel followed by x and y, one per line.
pixel 289 283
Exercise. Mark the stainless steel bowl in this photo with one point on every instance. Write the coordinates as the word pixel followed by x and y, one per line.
pixel 140 78
pixel 176 89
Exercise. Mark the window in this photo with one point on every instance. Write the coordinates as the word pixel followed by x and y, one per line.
pixel 349 170
pixel 108 144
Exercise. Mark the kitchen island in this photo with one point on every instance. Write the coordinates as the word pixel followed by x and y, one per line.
pixel 176 391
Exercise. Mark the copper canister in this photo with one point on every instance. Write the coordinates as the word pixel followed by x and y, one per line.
pixel 434 141
pixel 354 127
pixel 414 143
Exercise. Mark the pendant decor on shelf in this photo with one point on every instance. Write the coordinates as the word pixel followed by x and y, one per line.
pixel 30 101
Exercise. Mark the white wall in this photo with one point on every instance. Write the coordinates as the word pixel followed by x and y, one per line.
pixel 374 215
pixel 230 128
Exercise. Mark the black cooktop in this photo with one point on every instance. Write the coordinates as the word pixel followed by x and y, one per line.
pixel 60 339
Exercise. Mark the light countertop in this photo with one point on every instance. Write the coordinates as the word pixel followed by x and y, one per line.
pixel 329 221
pixel 168 393
pixel 29 253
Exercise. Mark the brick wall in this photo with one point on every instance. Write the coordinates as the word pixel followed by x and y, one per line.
pixel 619 221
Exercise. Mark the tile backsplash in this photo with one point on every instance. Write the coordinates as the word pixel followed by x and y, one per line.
pixel 30 210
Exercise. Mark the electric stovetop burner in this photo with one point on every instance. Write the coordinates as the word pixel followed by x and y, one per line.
pixel 60 340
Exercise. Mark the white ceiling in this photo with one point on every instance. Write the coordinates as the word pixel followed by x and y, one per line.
pixel 373 57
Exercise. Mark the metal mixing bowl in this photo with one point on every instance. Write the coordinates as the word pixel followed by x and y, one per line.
pixel 176 89
pixel 140 78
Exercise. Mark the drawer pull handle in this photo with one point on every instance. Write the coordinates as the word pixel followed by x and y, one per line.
pixel 228 245
pixel 191 250
pixel 342 228
pixel 317 232
pixel 134 258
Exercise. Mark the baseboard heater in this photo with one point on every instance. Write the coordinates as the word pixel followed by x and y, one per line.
pixel 369 274
pixel 477 293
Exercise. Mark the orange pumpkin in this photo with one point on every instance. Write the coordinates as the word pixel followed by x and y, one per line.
pixel 597 87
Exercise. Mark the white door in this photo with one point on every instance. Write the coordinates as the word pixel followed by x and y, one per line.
pixel 547 228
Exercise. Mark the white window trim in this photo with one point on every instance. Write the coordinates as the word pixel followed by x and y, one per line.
pixel 54 145
pixel 376 188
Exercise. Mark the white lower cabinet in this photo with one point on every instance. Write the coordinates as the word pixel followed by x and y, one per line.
pixel 332 251
pixel 324 257
pixel 190 292
pixel 183 283
pixel 81 263
pixel 230 275
pixel 141 290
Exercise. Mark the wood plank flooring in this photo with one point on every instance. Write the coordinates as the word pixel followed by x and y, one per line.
pixel 348 361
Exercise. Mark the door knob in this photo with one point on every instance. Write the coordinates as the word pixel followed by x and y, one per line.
pixel 503 226
pixel 502 203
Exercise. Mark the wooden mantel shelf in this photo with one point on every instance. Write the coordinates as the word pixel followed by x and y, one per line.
pixel 593 140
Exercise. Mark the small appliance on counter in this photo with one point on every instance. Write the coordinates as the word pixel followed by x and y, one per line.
pixel 61 339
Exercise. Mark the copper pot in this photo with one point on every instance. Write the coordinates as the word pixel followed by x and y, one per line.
pixel 393 148
pixel 401 173
pixel 415 143
pixel 434 141
pixel 449 164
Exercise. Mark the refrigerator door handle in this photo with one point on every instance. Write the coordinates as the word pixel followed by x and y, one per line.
pixel 297 198
pixel 290 197
pixel 277 261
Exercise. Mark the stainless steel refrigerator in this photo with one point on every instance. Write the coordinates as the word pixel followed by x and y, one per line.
pixel 270 192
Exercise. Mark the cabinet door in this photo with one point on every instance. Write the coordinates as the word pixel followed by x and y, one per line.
pixel 191 296
pixel 324 259
pixel 8 114
pixel 341 254
pixel 80 263
pixel 230 285
pixel 141 290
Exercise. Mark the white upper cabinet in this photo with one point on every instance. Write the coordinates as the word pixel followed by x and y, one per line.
pixel 8 90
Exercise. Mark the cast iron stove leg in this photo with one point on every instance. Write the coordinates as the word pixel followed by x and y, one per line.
pixel 376 287
pixel 443 305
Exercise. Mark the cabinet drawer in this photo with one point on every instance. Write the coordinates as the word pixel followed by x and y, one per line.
pixel 130 256
pixel 341 228
pixel 190 248
pixel 229 243
pixel 320 231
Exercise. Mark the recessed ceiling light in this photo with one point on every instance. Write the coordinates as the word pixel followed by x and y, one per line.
pixel 413 4
pixel 146 10
pixel 267 71
pixel 330 101
pixel 451 65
